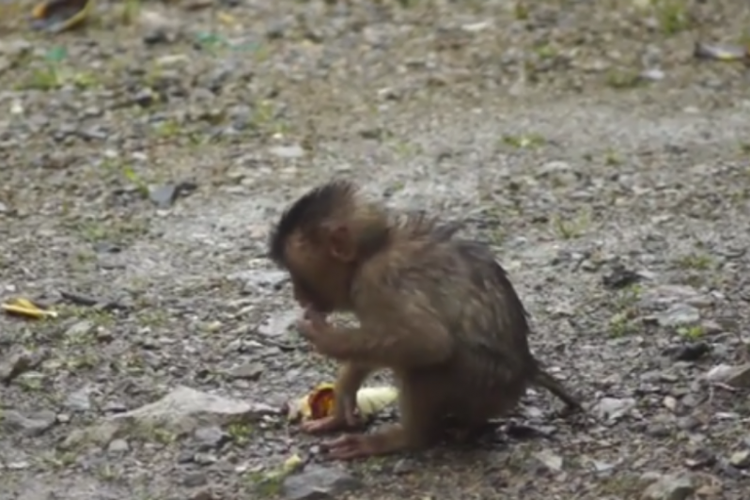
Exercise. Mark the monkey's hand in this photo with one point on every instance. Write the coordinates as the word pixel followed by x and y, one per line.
pixel 314 327
pixel 350 446
pixel 343 418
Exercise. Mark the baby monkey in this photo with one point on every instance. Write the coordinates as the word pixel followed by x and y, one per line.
pixel 438 311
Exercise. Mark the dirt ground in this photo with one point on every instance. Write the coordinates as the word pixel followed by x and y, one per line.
pixel 143 158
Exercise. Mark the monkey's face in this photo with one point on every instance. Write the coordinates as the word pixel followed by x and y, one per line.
pixel 319 281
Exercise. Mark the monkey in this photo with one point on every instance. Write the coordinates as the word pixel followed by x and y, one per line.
pixel 439 311
pixel 421 223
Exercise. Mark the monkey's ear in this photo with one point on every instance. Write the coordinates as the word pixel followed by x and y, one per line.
pixel 341 243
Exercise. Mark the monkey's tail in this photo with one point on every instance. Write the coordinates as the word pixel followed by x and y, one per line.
pixel 544 379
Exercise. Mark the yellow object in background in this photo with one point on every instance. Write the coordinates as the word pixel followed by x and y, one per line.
pixel 60 15
pixel 24 307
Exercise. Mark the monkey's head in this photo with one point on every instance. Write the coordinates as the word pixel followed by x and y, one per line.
pixel 322 239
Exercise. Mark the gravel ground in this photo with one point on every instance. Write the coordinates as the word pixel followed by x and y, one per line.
pixel 144 156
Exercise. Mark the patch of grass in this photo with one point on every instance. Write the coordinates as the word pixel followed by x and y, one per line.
pixel 240 433
pixel 622 324
pixel 84 361
pixel 154 433
pixel 571 228
pixel 30 381
pixel 266 485
pixel 628 296
pixel 622 79
pixel 527 141
pixel 133 177
pixel 131 10
pixel 612 158
pixel 95 231
pixel 264 118
pixel 51 76
pixel 118 168
pixel 84 80
pixel 153 317
pixel 695 332
pixel 672 16
pixel 546 51
pixel 60 459
pixel 107 473
pixel 406 149
pixel 521 11
pixel 620 486
pixel 699 262
pixel 45 79
pixel 168 128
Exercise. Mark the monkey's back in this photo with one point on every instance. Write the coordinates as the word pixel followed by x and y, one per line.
pixel 469 292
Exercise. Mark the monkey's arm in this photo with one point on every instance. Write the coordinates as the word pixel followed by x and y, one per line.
pixel 410 339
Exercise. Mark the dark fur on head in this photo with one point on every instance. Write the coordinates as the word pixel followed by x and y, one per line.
pixel 308 212
pixel 372 224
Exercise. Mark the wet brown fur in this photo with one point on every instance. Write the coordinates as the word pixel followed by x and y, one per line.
pixel 438 310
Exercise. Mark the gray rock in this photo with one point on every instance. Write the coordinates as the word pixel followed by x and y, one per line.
pixel 667 294
pixel 181 411
pixel 278 323
pixel 288 152
pixel 194 479
pixel 164 196
pixel 614 408
pixel 205 458
pixel 658 430
pixel 210 437
pixel 18 465
pixel 688 423
pixel 15 365
pixel 79 329
pixel 404 466
pixel 118 446
pixel 679 315
pixel 114 407
pixel 670 487
pixel 259 280
pixel 247 371
pixel 31 426
pixel 551 461
pixel 318 483
pixel 79 401
pixel 740 459
pixel 602 467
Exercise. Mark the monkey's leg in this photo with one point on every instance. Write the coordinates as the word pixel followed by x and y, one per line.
pixel 420 403
pixel 349 380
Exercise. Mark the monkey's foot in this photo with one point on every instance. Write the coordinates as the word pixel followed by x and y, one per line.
pixel 349 446
pixel 330 424
pixel 390 440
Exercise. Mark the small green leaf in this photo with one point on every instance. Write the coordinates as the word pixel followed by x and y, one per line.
pixel 56 54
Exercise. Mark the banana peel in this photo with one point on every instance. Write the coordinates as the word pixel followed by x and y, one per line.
pixel 319 403
pixel 24 307
pixel 55 16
